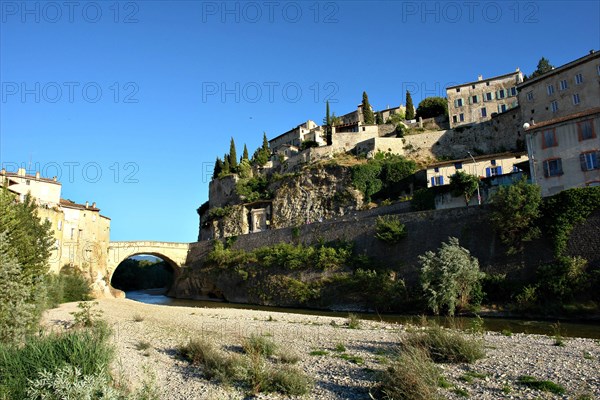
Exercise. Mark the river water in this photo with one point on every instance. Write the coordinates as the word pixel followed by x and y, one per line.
pixel 567 329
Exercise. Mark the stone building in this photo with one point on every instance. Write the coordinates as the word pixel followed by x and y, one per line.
pixel 477 101
pixel 564 152
pixel 81 233
pixel 568 89
pixel 486 166
pixel 287 144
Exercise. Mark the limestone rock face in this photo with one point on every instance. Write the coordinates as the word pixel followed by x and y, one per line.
pixel 319 193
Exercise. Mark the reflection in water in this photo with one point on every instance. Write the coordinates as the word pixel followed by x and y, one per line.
pixel 568 329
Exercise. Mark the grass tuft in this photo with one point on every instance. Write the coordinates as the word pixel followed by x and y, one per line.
pixel 353 321
pixel 445 346
pixel 256 344
pixel 545 386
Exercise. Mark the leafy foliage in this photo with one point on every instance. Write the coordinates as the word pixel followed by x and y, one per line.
pixel 449 277
pixel 253 189
pixel 463 184
pixel 307 144
pixel 515 209
pixel 543 66
pixel 389 228
pixel 233 162
pixel 445 345
pixel 396 119
pixel 382 173
pixel 365 177
pixel 423 199
pixel 367 110
pixel 431 107
pixel 410 108
pixel 67 286
pixel 262 154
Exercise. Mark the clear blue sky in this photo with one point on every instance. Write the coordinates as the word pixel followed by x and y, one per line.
pixel 130 102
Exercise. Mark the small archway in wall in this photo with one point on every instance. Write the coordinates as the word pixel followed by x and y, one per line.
pixel 145 271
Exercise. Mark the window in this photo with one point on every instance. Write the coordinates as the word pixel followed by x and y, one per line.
pixel 553 167
pixel 27 182
pixel 458 165
pixel 530 96
pixel 563 84
pixel 493 171
pixel 474 99
pixel 458 103
pixel 488 84
pixel 513 91
pixel 489 96
pixel 501 94
pixel 493 162
pixel 437 180
pixel 590 161
pixel 454 119
pixel 550 90
pixel 576 99
pixel 457 90
pixel 472 86
pixel 554 106
pixel 437 169
pixel 501 108
pixel 578 79
pixel 549 139
pixel 585 130
pixel 483 112
pixel 461 117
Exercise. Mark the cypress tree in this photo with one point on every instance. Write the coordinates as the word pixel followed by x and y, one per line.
pixel 410 108
pixel 245 154
pixel 218 168
pixel 379 119
pixel 327 115
pixel 226 166
pixel 265 145
pixel 233 163
pixel 368 116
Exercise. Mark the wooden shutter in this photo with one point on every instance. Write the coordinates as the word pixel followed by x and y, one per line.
pixel 582 162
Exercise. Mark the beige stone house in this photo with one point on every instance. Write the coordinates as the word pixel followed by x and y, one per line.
pixel 477 101
pixel 564 152
pixel 81 233
pixel 568 89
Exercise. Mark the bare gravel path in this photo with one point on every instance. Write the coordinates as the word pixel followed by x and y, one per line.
pixel 576 366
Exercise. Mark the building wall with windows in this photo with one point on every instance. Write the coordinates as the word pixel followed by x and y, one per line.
pixel 439 174
pixel 81 235
pixel 475 102
pixel 571 88
pixel 564 152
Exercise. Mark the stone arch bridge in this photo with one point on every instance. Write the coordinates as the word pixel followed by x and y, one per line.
pixel 174 254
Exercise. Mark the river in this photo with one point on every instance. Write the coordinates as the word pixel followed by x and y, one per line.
pixel 567 329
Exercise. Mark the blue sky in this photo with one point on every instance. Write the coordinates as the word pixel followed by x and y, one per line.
pixel 130 102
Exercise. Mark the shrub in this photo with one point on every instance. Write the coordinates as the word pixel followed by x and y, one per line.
pixel 412 377
pixel 545 386
pixel 445 346
pixel 255 344
pixel 87 316
pixel 202 352
pixel 423 199
pixel 289 381
pixel 449 277
pixel 87 350
pixel 389 228
pixel 353 321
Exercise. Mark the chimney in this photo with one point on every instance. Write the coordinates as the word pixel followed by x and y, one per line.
pixel 54 178
pixel 87 204
pixel 21 172
pixel 94 205
pixel 518 69
pixel 479 77
pixel 37 175
pixel 3 171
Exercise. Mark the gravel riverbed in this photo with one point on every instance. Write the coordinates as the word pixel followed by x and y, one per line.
pixel 575 366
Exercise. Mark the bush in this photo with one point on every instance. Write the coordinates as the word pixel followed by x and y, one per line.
pixel 390 229
pixel 423 199
pixel 289 381
pixel 202 352
pixel 449 277
pixel 67 286
pixel 413 376
pixel 86 350
pixel 545 386
pixel 445 346
pixel 255 344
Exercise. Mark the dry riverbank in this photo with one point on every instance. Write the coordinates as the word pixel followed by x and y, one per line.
pixel 574 366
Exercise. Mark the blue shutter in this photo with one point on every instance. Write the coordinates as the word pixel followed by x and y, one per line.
pixel 441 180
pixel 433 181
pixel 546 172
pixel 499 170
pixel 488 173
pixel 582 162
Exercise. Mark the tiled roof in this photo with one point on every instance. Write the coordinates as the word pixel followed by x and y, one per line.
pixel 31 177
pixel 563 119
pixel 70 204
pixel 478 158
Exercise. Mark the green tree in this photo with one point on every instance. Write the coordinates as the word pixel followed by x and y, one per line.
pixel 226 167
pixel 396 118
pixel 410 108
pixel 218 168
pixel 389 228
pixel 463 184
pixel 367 111
pixel 431 107
pixel 233 163
pixel 327 120
pixel 365 177
pixel 515 209
pixel 328 125
pixel 449 277
pixel 378 118
pixel 245 154
pixel 262 154
pixel 542 67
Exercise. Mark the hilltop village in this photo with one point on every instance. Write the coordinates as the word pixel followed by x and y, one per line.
pixel 496 129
